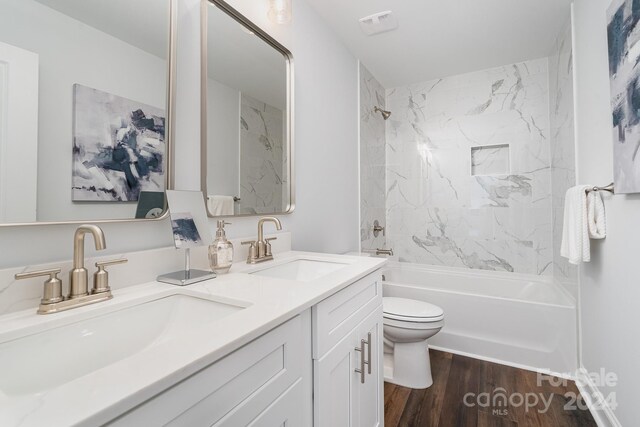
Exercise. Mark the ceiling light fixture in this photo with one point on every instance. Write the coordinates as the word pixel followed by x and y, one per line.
pixel 280 11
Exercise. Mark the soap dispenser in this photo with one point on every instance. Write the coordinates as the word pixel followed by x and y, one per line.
pixel 221 251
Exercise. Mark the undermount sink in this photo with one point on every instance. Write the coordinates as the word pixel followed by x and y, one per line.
pixel 303 270
pixel 47 359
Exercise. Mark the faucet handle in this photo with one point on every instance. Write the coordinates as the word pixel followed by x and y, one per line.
pixel 267 251
pixel 101 277
pixel 52 286
pixel 102 264
pixel 253 253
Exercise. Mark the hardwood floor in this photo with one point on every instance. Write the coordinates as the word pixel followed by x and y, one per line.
pixel 473 393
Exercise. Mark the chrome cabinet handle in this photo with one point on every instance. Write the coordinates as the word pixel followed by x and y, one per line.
pixel 368 362
pixel 362 361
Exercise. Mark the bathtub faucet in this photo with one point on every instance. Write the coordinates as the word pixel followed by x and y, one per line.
pixel 388 252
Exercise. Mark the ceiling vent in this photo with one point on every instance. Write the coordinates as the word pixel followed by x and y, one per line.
pixel 378 23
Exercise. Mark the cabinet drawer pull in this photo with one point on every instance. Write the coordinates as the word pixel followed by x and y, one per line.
pixel 368 362
pixel 362 361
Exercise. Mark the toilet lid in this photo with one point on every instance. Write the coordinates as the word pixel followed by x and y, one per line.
pixel 410 310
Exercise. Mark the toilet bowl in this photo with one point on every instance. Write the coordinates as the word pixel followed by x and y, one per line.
pixel 408 324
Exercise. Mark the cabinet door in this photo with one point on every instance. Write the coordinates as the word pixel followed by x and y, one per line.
pixel 239 387
pixel 336 384
pixel 370 404
pixel 340 397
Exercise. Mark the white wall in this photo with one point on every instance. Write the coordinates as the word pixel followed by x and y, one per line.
pixel 326 142
pixel 18 134
pixel 223 133
pixel 72 52
pixel 326 217
pixel 610 283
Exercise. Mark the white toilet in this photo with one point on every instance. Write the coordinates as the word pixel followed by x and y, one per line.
pixel 407 326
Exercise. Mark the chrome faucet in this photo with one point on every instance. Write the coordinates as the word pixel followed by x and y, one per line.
pixel 260 250
pixel 52 300
pixel 79 277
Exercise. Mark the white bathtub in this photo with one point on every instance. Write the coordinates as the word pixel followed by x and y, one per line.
pixel 519 320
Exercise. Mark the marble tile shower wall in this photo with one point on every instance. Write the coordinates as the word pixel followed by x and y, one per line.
pixel 438 212
pixel 563 170
pixel 372 160
pixel 262 167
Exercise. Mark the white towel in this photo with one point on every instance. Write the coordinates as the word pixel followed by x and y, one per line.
pixel 584 219
pixel 220 205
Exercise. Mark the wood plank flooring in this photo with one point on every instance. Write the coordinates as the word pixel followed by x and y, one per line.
pixel 473 393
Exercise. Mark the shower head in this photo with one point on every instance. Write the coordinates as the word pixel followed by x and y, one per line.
pixel 385 114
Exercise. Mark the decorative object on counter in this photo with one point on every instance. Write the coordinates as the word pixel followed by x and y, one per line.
pixel 624 72
pixel 118 147
pixel 185 232
pixel 221 251
pixel 190 229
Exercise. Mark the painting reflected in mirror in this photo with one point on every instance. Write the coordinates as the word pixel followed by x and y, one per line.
pixel 85 116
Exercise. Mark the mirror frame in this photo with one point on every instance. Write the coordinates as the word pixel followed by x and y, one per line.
pixel 169 137
pixel 288 57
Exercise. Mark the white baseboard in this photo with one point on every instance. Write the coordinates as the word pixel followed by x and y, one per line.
pixel 602 412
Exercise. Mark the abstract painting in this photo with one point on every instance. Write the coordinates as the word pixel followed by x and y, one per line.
pixel 185 232
pixel 118 147
pixel 623 31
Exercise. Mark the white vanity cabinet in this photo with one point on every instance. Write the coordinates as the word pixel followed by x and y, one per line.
pixel 302 373
pixel 347 331
pixel 265 383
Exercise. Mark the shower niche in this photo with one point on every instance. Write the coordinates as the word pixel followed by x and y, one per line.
pixel 490 160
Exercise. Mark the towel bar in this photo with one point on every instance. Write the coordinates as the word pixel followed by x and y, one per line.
pixel 608 188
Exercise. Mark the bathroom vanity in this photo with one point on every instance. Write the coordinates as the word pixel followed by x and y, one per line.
pixel 295 341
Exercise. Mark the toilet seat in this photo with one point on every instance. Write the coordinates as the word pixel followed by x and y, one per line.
pixel 408 310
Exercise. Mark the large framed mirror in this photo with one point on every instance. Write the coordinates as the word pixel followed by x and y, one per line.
pixel 247 116
pixel 85 110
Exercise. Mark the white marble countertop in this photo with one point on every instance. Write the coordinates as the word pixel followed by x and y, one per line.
pixel 103 394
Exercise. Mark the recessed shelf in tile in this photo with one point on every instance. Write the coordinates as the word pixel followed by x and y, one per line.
pixel 490 160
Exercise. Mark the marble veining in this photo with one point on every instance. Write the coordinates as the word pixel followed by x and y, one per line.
pixel 474 167
pixel 437 211
pixel 372 160
pixel 262 158
pixel 491 160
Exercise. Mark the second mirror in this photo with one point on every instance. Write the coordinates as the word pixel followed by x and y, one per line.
pixel 247 116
